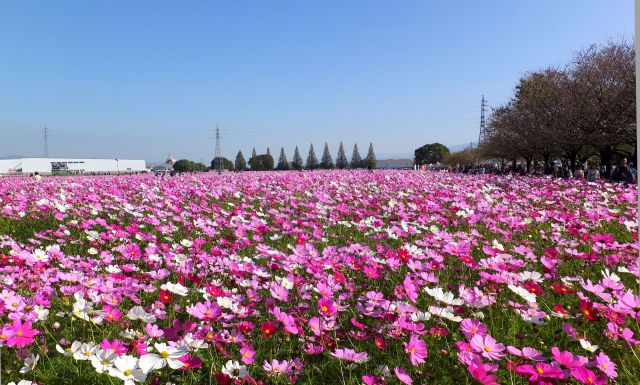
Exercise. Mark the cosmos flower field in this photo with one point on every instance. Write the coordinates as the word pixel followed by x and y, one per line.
pixel 326 277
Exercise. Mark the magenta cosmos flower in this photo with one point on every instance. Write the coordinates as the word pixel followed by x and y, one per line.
pixel 327 307
pixel 487 346
pixel 22 334
pixel 540 371
pixel 351 355
pixel 416 348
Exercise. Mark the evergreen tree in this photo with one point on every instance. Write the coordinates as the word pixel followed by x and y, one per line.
pixel 356 161
pixel 252 160
pixel 327 162
pixel 341 159
pixel 241 165
pixel 370 160
pixel 296 164
pixel 283 163
pixel 268 151
pixel 312 160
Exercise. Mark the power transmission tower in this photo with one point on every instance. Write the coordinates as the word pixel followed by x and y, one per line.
pixel 218 159
pixel 482 123
pixel 46 143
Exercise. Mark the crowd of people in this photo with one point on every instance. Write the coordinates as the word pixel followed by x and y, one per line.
pixel 623 172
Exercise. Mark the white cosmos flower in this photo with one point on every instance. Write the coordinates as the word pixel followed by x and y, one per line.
pixel 234 369
pixel 444 312
pixel 531 276
pixel 70 350
pixel 126 368
pixel 167 356
pixel 41 312
pixel 420 316
pixel 186 243
pixel 522 292
pixel 22 382
pixel 443 297
pixel 586 345
pixel 30 363
pixel 609 275
pixel 175 288
pixel 85 351
pixel 138 313
pixel 40 255
pixel 102 360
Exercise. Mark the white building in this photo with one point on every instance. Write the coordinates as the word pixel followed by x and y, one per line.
pixel 70 166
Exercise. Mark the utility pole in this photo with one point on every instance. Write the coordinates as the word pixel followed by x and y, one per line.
pixel 482 123
pixel 46 143
pixel 218 160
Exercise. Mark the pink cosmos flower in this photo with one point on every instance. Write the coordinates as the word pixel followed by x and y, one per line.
pixel 370 379
pixel 567 359
pixel 480 372
pixel 206 311
pixel 417 349
pixel 402 375
pixel 471 327
pixel 540 371
pixel 22 334
pixel 526 352
pixel 190 362
pixel 607 366
pixel 116 346
pixel 276 366
pixel 487 346
pixel 586 376
pixel 248 354
pixel 327 307
pixel 351 355
pixel 153 331
pixel 315 326
pixel 410 289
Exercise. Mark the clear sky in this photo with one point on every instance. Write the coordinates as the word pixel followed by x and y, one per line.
pixel 142 79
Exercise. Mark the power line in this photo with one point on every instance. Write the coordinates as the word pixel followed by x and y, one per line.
pixel 218 158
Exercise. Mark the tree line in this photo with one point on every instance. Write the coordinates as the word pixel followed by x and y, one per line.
pixel 265 162
pixel 585 111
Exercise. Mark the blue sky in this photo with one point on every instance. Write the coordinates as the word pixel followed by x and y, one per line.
pixel 142 79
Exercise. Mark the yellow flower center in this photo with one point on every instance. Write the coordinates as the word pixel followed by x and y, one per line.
pixel 207 312
pixel 19 334
pixel 164 354
pixel 3 336
pixel 127 372
pixel 604 366
pixel 539 370
pixel 325 308
pixel 104 362
pixel 487 349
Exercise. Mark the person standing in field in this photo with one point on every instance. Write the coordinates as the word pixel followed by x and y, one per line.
pixel 593 173
pixel 622 173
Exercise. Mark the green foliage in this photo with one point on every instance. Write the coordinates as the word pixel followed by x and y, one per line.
pixel 185 165
pixel 312 160
pixel 341 159
pixel 356 160
pixel 283 163
pixel 431 153
pixel 226 164
pixel 263 162
pixel 370 160
pixel 240 163
pixel 296 164
pixel 326 162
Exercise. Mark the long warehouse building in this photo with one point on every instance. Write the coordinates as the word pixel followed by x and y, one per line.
pixel 65 166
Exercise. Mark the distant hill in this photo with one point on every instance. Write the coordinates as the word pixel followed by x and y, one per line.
pixel 12 157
